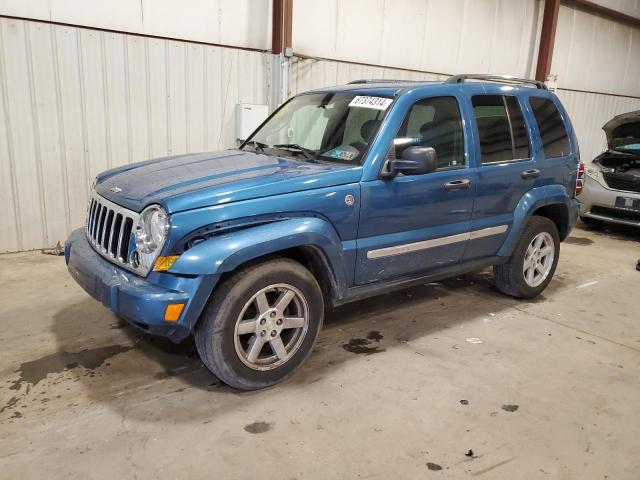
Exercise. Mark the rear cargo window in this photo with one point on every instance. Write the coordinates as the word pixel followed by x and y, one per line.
pixel 501 128
pixel 555 140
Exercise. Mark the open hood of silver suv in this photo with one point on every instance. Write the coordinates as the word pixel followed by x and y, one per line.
pixel 623 128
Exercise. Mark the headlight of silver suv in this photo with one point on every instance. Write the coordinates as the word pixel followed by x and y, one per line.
pixel 151 232
pixel 593 171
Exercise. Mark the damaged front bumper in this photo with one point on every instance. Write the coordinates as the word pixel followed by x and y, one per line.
pixel 140 301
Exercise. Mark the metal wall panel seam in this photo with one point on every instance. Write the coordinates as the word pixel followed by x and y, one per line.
pixel 10 147
pixel 205 100
pixel 494 32
pixel 61 130
pixel 105 93
pixel 127 96
pixel 36 136
pixel 225 96
pixel 167 98
pixel 187 100
pixel 147 87
pixel 83 103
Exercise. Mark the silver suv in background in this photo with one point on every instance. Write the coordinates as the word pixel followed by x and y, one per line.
pixel 612 189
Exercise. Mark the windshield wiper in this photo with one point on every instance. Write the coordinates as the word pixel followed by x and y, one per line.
pixel 308 153
pixel 257 145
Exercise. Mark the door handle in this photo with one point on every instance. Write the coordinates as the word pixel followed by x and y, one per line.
pixel 457 185
pixel 532 173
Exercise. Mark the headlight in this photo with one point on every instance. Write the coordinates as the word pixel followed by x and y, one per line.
pixel 152 229
pixel 593 171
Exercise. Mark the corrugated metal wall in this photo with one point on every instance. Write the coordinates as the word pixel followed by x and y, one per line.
pixel 478 36
pixel 588 111
pixel 241 23
pixel 308 73
pixel 76 101
pixel 474 36
pixel 596 54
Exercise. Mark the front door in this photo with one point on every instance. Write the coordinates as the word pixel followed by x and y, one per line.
pixel 418 223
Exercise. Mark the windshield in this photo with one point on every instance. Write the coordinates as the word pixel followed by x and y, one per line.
pixel 330 127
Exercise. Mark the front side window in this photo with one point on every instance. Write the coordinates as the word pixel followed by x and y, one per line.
pixel 434 122
pixel 329 127
pixel 555 140
pixel 501 128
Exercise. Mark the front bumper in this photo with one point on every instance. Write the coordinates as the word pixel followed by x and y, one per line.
pixel 140 301
pixel 599 202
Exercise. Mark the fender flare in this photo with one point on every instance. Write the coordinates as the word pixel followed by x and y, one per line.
pixel 224 253
pixel 528 204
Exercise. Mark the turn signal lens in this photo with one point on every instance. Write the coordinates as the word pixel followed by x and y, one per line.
pixel 164 263
pixel 173 311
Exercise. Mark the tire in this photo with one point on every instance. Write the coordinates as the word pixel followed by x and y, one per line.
pixel 510 276
pixel 236 320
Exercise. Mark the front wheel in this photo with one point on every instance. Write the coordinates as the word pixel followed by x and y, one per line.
pixel 532 265
pixel 261 324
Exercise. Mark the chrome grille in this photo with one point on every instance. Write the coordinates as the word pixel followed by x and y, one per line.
pixel 108 227
pixel 628 183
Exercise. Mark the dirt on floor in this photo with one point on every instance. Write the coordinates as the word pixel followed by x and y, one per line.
pixel 446 380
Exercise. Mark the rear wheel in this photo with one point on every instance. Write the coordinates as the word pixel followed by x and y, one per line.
pixel 261 324
pixel 532 265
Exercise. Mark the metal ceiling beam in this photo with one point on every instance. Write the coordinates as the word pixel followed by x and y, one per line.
pixel 282 25
pixel 605 12
pixel 547 38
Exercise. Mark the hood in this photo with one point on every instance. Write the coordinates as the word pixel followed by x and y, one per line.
pixel 190 181
pixel 624 128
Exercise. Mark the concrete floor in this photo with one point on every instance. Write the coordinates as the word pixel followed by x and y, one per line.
pixel 394 388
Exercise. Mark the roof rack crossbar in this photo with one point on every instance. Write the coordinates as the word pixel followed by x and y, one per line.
pixel 495 78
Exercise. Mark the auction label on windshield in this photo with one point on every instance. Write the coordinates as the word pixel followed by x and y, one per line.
pixel 377 103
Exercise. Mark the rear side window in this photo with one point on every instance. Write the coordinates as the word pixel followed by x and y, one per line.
pixel 501 128
pixel 555 140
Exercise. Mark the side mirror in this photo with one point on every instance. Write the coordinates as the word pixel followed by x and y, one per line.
pixel 415 161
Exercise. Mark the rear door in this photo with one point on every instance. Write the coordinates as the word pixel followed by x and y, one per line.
pixel 508 167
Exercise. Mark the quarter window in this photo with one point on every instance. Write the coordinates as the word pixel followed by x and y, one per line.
pixel 555 140
pixel 501 128
pixel 434 122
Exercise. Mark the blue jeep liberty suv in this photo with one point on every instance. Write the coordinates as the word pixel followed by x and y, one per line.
pixel 342 193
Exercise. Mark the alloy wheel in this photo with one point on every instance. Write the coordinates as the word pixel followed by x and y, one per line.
pixel 271 326
pixel 538 259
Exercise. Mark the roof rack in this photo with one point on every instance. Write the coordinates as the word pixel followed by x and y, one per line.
pixel 363 81
pixel 495 78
